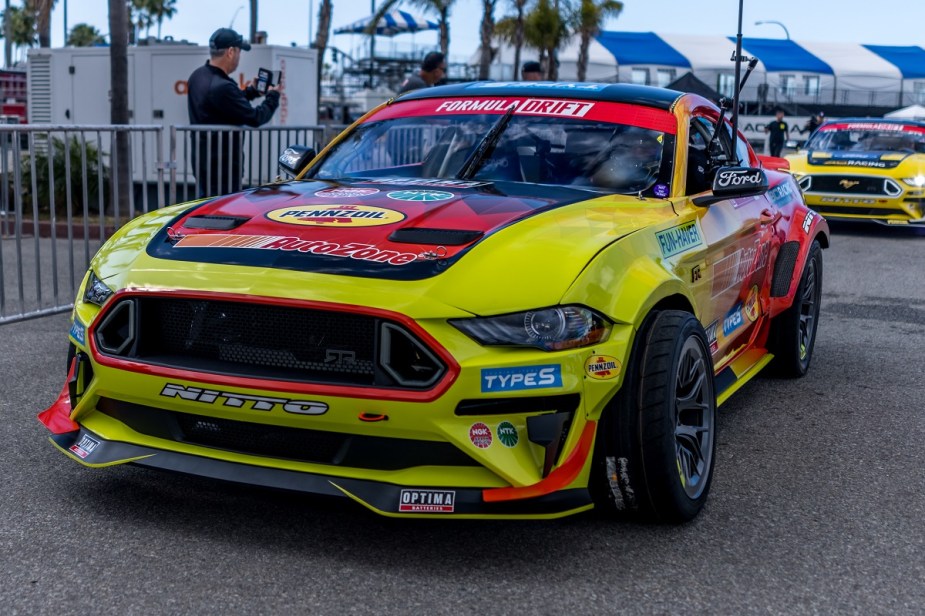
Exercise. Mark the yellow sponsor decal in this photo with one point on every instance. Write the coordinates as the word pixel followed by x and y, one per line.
pixel 344 216
pixel 752 306
pixel 602 367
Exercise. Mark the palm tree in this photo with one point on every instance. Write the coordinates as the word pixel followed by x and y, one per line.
pixel 510 29
pixel 486 31
pixel 22 27
pixel 321 37
pixel 546 29
pixel 253 32
pixel 84 35
pixel 589 17
pixel 141 16
pixel 159 10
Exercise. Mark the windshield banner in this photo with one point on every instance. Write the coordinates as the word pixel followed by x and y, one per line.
pixel 599 111
pixel 874 126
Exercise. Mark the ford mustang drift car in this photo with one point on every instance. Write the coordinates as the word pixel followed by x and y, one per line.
pixel 865 169
pixel 484 300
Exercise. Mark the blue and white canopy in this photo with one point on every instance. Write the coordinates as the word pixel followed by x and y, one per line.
pixel 391 24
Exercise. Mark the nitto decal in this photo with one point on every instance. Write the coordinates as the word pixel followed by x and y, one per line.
pixel 419 195
pixel 255 403
pixel 78 331
pixel 808 221
pixel 84 447
pixel 337 216
pixel 362 252
pixel 679 239
pixel 602 367
pixel 507 434
pixel 514 379
pixel 346 192
pixel 752 306
pixel 711 336
pixel 480 435
pixel 847 201
pixel 733 320
pixel 427 501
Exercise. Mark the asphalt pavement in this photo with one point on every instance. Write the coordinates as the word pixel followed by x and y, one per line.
pixel 817 507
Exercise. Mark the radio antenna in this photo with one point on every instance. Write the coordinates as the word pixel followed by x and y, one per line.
pixel 735 95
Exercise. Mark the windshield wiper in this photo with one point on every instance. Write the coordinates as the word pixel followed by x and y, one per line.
pixel 477 158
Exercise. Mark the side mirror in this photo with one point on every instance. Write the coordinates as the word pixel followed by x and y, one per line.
pixel 735 183
pixel 294 159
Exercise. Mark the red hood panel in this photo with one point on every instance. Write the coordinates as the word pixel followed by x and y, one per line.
pixel 368 224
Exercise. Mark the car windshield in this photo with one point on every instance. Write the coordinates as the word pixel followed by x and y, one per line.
pixel 586 152
pixel 869 137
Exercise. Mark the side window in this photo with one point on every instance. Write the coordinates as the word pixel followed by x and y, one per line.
pixel 742 156
pixel 699 173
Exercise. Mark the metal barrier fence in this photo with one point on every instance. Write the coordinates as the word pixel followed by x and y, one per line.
pixel 61 197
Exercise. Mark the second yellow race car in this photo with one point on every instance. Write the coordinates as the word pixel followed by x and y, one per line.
pixel 865 169
pixel 482 300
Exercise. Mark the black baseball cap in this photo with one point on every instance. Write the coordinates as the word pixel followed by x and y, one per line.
pixel 223 38
pixel 532 67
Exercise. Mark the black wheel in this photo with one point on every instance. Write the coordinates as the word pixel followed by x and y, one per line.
pixel 793 332
pixel 656 441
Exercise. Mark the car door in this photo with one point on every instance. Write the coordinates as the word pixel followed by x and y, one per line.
pixel 728 277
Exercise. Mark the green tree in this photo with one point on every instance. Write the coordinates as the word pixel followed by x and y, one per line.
pixel 588 19
pixel 546 29
pixel 85 35
pixel 42 11
pixel 510 29
pixel 146 13
pixel 96 169
pixel 22 27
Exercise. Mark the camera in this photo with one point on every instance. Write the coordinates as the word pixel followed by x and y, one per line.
pixel 267 78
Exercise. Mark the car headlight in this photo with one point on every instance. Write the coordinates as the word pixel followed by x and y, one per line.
pixel 96 291
pixel 549 329
pixel 918 181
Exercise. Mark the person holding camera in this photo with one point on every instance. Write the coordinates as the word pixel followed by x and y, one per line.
pixel 213 98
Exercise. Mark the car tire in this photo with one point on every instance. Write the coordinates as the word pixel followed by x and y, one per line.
pixel 656 441
pixel 793 332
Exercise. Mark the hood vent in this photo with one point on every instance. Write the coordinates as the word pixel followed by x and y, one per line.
pixel 216 223
pixel 437 237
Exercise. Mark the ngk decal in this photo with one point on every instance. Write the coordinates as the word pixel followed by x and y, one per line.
pixel 256 403
pixel 480 435
pixel 529 106
pixel 362 252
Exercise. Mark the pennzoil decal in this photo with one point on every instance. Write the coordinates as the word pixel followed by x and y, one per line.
pixel 602 367
pixel 362 252
pixel 337 216
pixel 678 239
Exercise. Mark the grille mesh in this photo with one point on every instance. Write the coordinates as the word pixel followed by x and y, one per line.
pixel 849 185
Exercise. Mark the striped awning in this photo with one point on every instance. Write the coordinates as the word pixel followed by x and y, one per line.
pixel 391 24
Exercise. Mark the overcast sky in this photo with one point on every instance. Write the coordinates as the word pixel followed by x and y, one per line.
pixel 883 22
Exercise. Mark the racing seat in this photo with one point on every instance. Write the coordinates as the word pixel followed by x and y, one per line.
pixel 698 167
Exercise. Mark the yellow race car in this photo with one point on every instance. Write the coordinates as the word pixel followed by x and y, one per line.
pixel 481 300
pixel 865 169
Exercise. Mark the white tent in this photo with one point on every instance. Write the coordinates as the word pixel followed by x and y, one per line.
pixel 912 112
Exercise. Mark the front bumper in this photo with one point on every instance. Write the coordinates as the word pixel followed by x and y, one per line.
pixel 91 449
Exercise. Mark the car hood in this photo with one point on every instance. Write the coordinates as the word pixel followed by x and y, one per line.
pixel 393 229
pixel 532 243
pixel 874 160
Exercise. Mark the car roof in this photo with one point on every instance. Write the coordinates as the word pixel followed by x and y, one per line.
pixel 660 98
pixel 875 121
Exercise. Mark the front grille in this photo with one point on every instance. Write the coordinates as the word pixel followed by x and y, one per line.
pixel 848 185
pixel 266 341
pixel 866 210
pixel 303 445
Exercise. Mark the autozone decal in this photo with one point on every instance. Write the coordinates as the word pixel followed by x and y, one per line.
pixel 362 252
pixel 257 403
pixel 530 106
pixel 733 269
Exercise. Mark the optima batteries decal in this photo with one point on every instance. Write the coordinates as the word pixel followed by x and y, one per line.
pixel 427 501
pixel 337 216
pixel 679 239
pixel 515 379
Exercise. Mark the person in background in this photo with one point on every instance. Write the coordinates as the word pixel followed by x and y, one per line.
pixel 531 71
pixel 813 123
pixel 778 133
pixel 215 98
pixel 433 70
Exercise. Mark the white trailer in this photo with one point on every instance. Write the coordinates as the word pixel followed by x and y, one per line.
pixel 71 85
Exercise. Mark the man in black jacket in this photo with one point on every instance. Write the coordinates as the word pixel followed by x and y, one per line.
pixel 214 98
